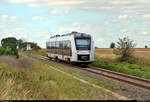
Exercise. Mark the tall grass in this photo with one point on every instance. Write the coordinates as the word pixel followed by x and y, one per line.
pixel 40 82
pixel 123 67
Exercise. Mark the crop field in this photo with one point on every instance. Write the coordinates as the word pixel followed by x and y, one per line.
pixel 104 58
pixel 108 53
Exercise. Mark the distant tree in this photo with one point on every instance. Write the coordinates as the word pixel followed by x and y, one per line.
pixel 9 46
pixel 20 43
pixel 9 42
pixel 9 51
pixel 33 45
pixel 146 46
pixel 96 47
pixel 124 49
pixel 112 45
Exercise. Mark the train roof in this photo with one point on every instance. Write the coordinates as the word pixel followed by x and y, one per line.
pixel 76 34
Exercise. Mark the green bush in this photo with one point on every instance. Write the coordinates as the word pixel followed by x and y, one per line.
pixel 125 50
pixel 9 51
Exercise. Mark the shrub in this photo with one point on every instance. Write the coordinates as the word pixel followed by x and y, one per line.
pixel 124 49
pixel 9 51
pixel 146 46
pixel 112 45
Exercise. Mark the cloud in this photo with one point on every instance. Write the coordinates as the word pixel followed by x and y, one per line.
pixel 76 23
pixel 13 18
pixel 100 39
pixel 145 33
pixel 22 1
pixel 101 6
pixel 4 17
pixel 36 18
pixel 64 29
pixel 58 12
pixel 146 16
pixel 7 18
pixel 123 16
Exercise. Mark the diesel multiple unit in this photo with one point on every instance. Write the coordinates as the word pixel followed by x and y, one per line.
pixel 73 47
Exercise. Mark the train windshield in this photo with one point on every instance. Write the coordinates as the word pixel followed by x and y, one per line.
pixel 83 44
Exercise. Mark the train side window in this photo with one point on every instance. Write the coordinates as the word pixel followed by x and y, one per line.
pixel 65 44
pixel 61 45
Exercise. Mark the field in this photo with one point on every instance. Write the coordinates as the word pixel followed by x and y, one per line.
pixel 108 53
pixel 104 58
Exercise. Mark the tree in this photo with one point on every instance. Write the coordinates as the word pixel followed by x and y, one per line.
pixel 146 46
pixel 10 42
pixel 20 43
pixel 124 49
pixel 112 45
pixel 9 46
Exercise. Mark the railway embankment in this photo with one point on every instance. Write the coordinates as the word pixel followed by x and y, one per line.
pixel 142 71
pixel 130 87
pixel 36 80
pixel 138 70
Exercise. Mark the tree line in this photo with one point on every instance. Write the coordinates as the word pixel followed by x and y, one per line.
pixel 11 46
pixel 112 45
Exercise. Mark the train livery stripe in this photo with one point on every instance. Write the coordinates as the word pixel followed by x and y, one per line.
pixel 69 52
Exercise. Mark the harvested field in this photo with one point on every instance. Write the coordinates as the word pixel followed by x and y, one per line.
pixel 108 53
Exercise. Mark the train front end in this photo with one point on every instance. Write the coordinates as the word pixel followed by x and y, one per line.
pixel 84 48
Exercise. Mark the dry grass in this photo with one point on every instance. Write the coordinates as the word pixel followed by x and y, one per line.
pixel 13 62
pixel 108 52
pixel 42 82
pixel 142 54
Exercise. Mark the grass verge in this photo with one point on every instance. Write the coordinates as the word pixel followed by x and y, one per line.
pixel 43 83
pixel 142 71
pixel 42 53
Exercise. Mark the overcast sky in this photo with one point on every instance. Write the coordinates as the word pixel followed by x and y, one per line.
pixel 105 20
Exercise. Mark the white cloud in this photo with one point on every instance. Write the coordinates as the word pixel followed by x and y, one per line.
pixel 7 18
pixel 128 6
pixel 13 18
pixel 39 18
pixel 58 12
pixel 123 16
pixel 146 16
pixel 21 1
pixel 145 33
pixel 64 29
pixel 4 17
pixel 100 39
pixel 33 5
pixel 77 23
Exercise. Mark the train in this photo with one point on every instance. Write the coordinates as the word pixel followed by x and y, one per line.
pixel 74 48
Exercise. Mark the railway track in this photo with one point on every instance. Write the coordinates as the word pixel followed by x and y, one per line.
pixel 132 80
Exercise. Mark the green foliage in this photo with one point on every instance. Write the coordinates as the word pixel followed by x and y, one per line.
pixel 123 67
pixel 9 46
pixel 146 46
pixel 124 49
pixel 23 45
pixel 10 42
pixel 112 45
pixel 9 51
pixel 39 53
pixel 20 44
pixel 36 48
